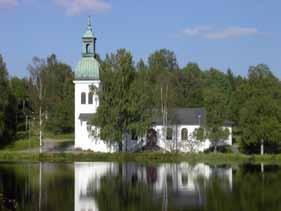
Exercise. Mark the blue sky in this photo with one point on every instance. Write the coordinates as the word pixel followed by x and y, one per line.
pixel 219 33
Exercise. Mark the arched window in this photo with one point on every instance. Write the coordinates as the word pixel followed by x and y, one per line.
pixel 83 98
pixel 184 134
pixel 134 135
pixel 90 98
pixel 169 133
pixel 87 48
pixel 184 179
pixel 97 101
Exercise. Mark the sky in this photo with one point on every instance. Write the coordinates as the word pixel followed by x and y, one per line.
pixel 219 33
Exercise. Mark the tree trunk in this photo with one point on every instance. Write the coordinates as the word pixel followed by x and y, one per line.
pixel 215 148
pixel 262 147
pixel 40 125
pixel 120 147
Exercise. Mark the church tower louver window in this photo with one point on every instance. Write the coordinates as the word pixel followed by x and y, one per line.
pixel 89 42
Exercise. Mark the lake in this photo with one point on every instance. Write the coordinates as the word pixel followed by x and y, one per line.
pixel 90 186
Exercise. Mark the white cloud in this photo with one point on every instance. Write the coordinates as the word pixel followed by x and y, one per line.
pixel 212 33
pixel 231 32
pixel 75 7
pixel 8 3
pixel 198 30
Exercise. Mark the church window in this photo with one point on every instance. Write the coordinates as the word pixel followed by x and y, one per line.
pixel 169 135
pixel 90 98
pixel 87 48
pixel 134 135
pixel 96 99
pixel 83 98
pixel 184 179
pixel 184 134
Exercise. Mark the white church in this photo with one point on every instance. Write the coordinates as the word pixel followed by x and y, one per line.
pixel 181 129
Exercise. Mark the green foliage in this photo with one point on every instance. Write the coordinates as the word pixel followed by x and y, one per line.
pixel 216 104
pixel 23 108
pixel 199 134
pixel 123 104
pixel 4 94
pixel 7 106
pixel 190 84
pixel 225 96
pixel 23 144
pixel 131 93
pixel 260 115
pixel 163 60
pixel 52 89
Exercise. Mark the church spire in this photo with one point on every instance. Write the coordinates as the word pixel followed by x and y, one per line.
pixel 89 41
pixel 89 23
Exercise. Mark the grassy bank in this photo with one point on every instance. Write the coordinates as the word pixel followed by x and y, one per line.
pixel 153 157
pixel 23 144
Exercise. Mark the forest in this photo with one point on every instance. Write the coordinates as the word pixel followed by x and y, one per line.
pixel 131 90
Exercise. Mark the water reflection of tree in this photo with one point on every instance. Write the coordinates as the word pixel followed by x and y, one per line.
pixel 117 194
pixel 19 184
pixel 252 190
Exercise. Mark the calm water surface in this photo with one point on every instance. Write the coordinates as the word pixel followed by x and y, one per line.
pixel 112 186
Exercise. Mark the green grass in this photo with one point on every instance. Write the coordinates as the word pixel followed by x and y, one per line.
pixel 148 157
pixel 23 144
pixel 69 136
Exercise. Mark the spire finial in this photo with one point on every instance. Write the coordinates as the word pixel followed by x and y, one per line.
pixel 89 22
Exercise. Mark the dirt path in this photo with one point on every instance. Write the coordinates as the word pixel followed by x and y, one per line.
pixel 57 145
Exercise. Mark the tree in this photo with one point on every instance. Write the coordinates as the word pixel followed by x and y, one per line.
pixel 4 97
pixel 7 106
pixel 51 92
pixel 260 116
pixel 59 98
pixel 215 103
pixel 123 107
pixel 19 89
pixel 189 86
pixel 163 59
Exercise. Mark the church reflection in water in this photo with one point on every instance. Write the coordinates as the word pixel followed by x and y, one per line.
pixel 183 185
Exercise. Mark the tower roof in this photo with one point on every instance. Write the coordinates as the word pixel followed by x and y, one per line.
pixel 87 69
pixel 89 31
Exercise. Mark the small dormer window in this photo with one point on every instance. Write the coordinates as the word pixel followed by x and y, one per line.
pixel 83 98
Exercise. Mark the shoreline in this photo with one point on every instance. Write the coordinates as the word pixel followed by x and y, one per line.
pixel 143 157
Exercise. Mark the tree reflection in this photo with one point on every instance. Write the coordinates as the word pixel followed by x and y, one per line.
pixel 19 187
pixel 131 186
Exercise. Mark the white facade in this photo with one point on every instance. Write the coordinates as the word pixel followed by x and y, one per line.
pixel 88 176
pixel 189 145
pixel 85 137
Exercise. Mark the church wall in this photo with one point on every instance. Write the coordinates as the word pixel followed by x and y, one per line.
pixel 183 145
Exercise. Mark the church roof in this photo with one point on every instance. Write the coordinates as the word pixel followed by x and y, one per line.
pixel 189 116
pixel 88 33
pixel 85 116
pixel 183 116
pixel 87 69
